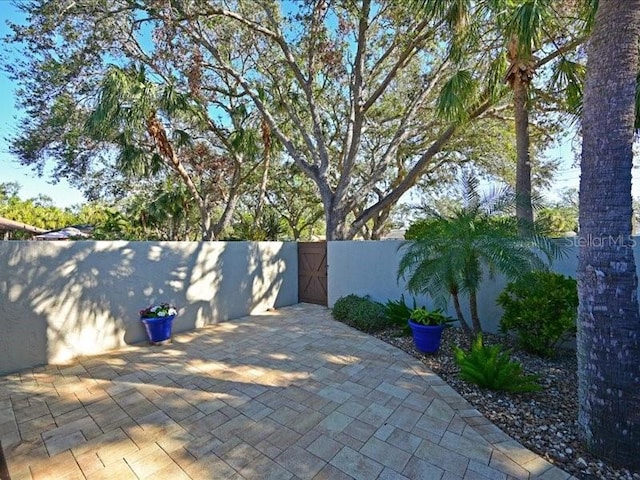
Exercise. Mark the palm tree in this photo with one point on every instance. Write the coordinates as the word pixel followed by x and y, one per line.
pixel 517 39
pixel 452 253
pixel 608 316
pixel 154 127
pixel 129 113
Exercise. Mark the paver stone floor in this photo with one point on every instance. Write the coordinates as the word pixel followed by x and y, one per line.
pixel 282 395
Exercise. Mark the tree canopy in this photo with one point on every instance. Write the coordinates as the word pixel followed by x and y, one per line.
pixel 358 95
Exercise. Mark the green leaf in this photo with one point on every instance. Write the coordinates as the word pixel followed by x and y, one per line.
pixel 457 97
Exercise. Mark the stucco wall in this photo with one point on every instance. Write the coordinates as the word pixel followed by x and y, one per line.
pixel 59 300
pixel 370 268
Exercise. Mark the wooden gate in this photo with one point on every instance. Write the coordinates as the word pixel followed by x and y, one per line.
pixel 312 272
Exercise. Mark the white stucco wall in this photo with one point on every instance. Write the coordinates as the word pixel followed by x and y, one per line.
pixel 59 300
pixel 371 267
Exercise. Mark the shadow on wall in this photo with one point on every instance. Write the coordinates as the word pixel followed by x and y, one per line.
pixel 59 300
pixel 239 279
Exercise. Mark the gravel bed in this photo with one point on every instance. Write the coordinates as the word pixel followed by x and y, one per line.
pixel 545 422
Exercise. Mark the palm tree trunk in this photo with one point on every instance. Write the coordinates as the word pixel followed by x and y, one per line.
pixel 157 131
pixel 608 316
pixel 473 308
pixel 520 73
pixel 524 210
pixel 461 319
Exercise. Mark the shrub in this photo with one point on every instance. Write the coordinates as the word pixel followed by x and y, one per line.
pixel 418 229
pixel 491 367
pixel 541 308
pixel 398 312
pixel 361 313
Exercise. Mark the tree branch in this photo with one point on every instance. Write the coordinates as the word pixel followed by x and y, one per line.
pixel 305 84
pixel 402 61
pixel 356 114
pixel 260 105
pixel 567 47
pixel 413 175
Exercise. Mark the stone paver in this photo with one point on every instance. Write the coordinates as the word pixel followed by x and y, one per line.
pixel 287 394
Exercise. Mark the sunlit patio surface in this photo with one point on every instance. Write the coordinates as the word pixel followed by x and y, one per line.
pixel 287 394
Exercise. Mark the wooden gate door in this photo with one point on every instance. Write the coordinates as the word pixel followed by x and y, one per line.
pixel 312 272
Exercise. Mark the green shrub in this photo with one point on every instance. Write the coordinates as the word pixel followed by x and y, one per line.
pixel 491 367
pixel 361 313
pixel 343 306
pixel 418 229
pixel 398 312
pixel 541 308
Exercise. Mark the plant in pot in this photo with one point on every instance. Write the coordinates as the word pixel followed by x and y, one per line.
pixel 158 321
pixel 427 328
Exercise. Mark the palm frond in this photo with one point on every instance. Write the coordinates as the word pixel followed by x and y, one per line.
pixel 430 9
pixel 453 253
pixel 182 138
pixel 458 15
pixel 457 96
pixel 499 201
pixel 470 186
pixel 176 103
pixel 526 24
pixel 135 161
pixel 245 140
pixel 569 77
pixel 462 28
pixel 125 102
pixel 495 76
pixel 588 9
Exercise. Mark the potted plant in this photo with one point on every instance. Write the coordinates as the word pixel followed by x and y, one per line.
pixel 158 321
pixel 427 328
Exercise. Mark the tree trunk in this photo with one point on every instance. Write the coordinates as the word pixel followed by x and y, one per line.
pixel 205 222
pixel 230 207
pixel 380 223
pixel 335 225
pixel 521 71
pixel 335 217
pixel 608 316
pixel 524 210
pixel 461 319
pixel 262 195
pixel 473 308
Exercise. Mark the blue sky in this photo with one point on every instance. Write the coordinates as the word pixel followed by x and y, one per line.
pixel 10 169
pixel 63 195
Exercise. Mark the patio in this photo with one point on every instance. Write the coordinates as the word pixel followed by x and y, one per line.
pixel 287 394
